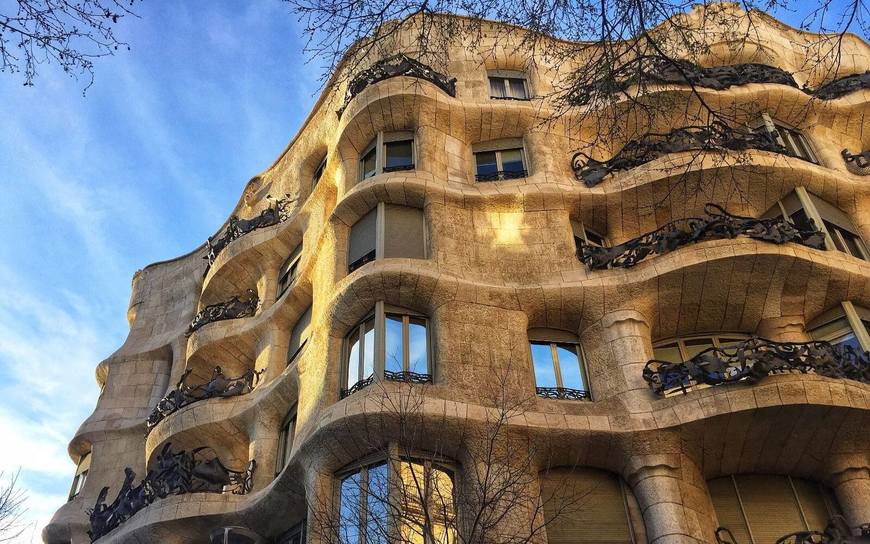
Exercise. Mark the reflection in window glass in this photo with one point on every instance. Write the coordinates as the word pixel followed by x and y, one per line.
pixel 368 163
pixel 393 345
pixel 399 155
pixel 418 348
pixel 512 161
pixel 487 167
pixel 353 359
pixel 349 508
pixel 668 352
pixel 369 353
pixel 696 346
pixel 496 87
pixel 517 87
pixel 542 356
pixel 377 495
pixel 569 367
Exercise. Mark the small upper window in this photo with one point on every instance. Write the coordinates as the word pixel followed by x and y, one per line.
pixel 558 363
pixel 500 160
pixel 285 440
pixel 504 84
pixel 791 139
pixel 318 173
pixel 81 476
pixel 388 152
pixel 289 270
pixel 387 231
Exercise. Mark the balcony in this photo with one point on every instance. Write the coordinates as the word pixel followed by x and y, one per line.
pixel 389 375
pixel 277 212
pixel 718 224
pixel 234 308
pixel 177 473
pixel 836 532
pixel 562 393
pixel 754 359
pixel 502 175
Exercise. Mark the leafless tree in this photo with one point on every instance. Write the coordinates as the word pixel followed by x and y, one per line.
pixel 71 33
pixel 12 510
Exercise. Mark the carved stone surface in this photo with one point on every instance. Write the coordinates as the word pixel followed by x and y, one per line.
pixel 397 65
pixel 858 163
pixel 717 137
pixel 718 224
pixel 562 393
pixel 406 377
pixel 756 358
pixel 232 309
pixel 657 69
pixel 177 473
pixel 276 213
pixel 836 532
pixel 185 394
pixel 843 86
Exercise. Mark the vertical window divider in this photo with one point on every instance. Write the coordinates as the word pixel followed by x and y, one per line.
pixel 557 370
pixel 380 230
pixel 380 343
pixel 813 213
pixel 622 492
pixel 742 509
pixel 858 328
pixel 363 504
pixel 406 340
pixel 797 500
pixel 380 153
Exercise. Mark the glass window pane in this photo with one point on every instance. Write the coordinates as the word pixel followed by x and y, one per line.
pixel 496 87
pixel 834 231
pixel 800 219
pixel 668 352
pixel 369 353
pixel 832 331
pixel 299 334
pixel 353 359
pixel 418 346
pixel 697 345
pixel 399 154
pixel 393 344
pixel 853 243
pixel 368 164
pixel 349 509
pixel 512 161
pixel 441 504
pixel 517 88
pixel 542 358
pixel 486 165
pixel 377 514
pixel 569 367
pixel 728 342
pixel 848 339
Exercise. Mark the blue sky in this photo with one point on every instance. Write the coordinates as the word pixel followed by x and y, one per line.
pixel 143 168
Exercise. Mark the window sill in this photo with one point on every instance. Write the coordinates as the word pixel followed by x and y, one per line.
pixel 562 393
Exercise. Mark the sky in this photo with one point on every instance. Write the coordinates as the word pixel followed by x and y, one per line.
pixel 142 168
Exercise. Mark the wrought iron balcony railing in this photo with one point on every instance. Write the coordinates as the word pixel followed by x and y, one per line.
pixel 836 532
pixel 843 86
pixel 859 163
pixel 562 393
pixel 277 212
pixel 234 308
pixel 397 65
pixel 389 375
pixel 502 175
pixel 176 473
pixel 184 394
pixel 718 224
pixel 756 358
pixel 716 137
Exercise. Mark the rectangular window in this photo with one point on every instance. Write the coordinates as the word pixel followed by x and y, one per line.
pixel 285 441
pixel 559 370
pixel 500 164
pixel 81 476
pixel 318 173
pixel 289 270
pixel 369 163
pixel 796 143
pixel 583 235
pixel 363 240
pixel 515 88
pixel 299 335
pixel 388 231
pixel 399 155
pixel 388 152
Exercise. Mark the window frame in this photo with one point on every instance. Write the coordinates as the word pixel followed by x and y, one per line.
pixel 789 137
pixel 379 146
pixel 83 467
pixel 286 436
pixel 291 357
pixel 380 236
pixel 505 76
pixel 290 264
pixel 555 339
pixel 857 319
pixel 498 147
pixel 716 337
pixel 581 232
pixel 378 315
pixel 318 172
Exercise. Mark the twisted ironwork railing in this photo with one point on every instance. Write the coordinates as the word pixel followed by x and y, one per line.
pixel 837 531
pixel 716 137
pixel 562 393
pixel 397 65
pixel 277 212
pixel 184 394
pixel 177 473
pixel 718 224
pixel 502 175
pixel 389 375
pixel 843 86
pixel 234 308
pixel 756 358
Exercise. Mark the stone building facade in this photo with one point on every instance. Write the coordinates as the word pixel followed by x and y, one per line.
pixel 420 236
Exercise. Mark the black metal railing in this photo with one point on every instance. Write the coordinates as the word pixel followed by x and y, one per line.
pixel 718 224
pixel 858 163
pixel 234 308
pixel 502 175
pixel 365 259
pixel 716 137
pixel 843 86
pixel 562 393
pixel 184 394
pixel 399 167
pixel 176 473
pixel 837 531
pixel 756 358
pixel 389 375
pixel 394 66
pixel 277 212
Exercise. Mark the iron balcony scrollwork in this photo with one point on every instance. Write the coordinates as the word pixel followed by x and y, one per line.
pixel 837 531
pixel 718 224
pixel 502 175
pixel 389 375
pixel 716 137
pixel 277 212
pixel 234 308
pixel 394 66
pixel 858 163
pixel 177 473
pixel 756 358
pixel 184 394
pixel 562 393
pixel 843 86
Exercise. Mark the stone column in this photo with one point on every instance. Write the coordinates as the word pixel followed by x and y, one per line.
pixel 852 487
pixel 263 449
pixel 272 353
pixel 628 335
pixel 673 499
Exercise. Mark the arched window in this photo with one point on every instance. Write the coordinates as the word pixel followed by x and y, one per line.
pixel 761 508
pixel 387 231
pixel 285 440
pixel 584 505
pixel 557 359
pixel 845 324
pixel 391 343
pixel 299 335
pixel 81 476
pixel 400 500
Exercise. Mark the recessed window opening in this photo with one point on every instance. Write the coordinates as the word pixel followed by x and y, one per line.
pixel 387 231
pixel 792 139
pixel 500 160
pixel 583 235
pixel 285 440
pixel 681 350
pixel 318 173
pixel 508 84
pixel 299 335
pixel 844 325
pixel 557 359
pixel 81 476
pixel 289 270
pixel 388 152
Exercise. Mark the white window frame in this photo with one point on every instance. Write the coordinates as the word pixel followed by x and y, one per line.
pixel 505 76
pixel 379 144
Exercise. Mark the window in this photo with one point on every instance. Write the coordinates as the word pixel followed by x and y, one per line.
pixel 387 231
pixel 791 139
pixel 683 349
pixel 299 335
pixel 285 440
pixel 845 324
pixel 761 508
pixel 81 476
pixel 234 535
pixel 388 152
pixel 589 506
pixel 289 270
pixel 500 160
pixel 504 84
pixel 401 500
pixel 583 235
pixel 807 211
pixel 294 535
pixel 558 364
pixel 318 173
pixel 391 344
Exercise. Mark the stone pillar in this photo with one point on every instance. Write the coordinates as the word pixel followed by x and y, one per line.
pixel 673 499
pixel 628 334
pixel 852 487
pixel 783 329
pixel 263 448
pixel 272 353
